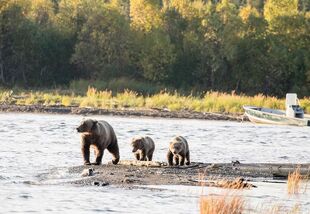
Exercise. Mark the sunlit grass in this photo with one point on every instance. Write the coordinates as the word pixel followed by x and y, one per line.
pixel 231 199
pixel 297 183
pixel 224 204
pixel 231 203
pixel 67 101
pixel 209 102
pixel 129 99
pixel 305 103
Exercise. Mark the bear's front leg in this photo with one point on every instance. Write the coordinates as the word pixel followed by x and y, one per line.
pixel 176 159
pixel 99 155
pixel 142 156
pixel 137 155
pixel 170 158
pixel 182 159
pixel 85 153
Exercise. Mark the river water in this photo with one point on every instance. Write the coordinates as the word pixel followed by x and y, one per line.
pixel 36 151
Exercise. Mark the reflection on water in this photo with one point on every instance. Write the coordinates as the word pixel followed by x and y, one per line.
pixel 36 151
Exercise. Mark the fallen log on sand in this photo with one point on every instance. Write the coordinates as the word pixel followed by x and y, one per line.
pixel 277 170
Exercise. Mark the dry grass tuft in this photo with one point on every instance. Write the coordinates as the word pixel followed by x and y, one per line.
pixel 237 183
pixel 228 202
pixel 294 182
pixel 224 204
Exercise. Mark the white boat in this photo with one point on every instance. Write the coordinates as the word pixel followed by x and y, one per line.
pixel 293 115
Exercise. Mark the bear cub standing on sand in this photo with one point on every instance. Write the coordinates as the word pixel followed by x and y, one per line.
pixel 178 151
pixel 99 135
pixel 143 148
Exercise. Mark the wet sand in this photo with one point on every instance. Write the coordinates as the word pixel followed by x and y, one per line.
pixel 129 173
pixel 161 113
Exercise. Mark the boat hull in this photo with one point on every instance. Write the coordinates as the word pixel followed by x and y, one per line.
pixel 270 116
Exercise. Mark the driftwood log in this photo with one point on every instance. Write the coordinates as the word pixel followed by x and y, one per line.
pixel 276 170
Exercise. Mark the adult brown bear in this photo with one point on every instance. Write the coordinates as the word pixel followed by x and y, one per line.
pixel 143 148
pixel 99 135
pixel 178 151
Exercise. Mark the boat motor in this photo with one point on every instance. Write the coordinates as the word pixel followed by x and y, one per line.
pixel 293 109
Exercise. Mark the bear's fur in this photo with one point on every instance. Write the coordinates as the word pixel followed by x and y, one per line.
pixel 143 148
pixel 178 151
pixel 99 135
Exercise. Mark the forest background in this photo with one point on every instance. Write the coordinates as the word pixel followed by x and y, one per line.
pixel 248 47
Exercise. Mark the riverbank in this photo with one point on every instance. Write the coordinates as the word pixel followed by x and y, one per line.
pixel 211 102
pixel 156 113
pixel 130 173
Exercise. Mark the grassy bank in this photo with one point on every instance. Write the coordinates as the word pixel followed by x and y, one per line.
pixel 208 102
pixel 230 201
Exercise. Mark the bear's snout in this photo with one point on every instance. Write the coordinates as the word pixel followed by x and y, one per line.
pixel 176 151
pixel 78 129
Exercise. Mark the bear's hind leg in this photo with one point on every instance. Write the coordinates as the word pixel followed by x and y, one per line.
pixel 114 150
pixel 187 162
pixel 150 157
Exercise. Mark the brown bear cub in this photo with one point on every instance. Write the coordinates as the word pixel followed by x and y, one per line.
pixel 178 151
pixel 143 148
pixel 99 135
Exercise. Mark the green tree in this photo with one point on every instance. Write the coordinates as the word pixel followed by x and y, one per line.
pixel 278 8
pixel 17 59
pixel 102 47
pixel 157 57
pixel 145 15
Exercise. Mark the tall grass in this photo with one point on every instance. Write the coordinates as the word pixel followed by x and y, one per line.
pixel 231 201
pixel 294 182
pixel 172 101
pixel 297 183
pixel 223 204
pixel 227 203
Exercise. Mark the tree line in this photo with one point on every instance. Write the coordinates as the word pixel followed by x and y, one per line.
pixel 246 46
